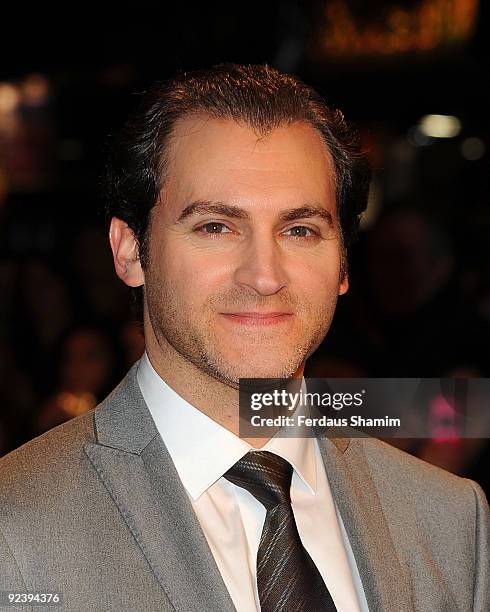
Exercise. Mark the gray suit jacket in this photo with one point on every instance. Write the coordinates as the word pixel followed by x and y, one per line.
pixel 94 510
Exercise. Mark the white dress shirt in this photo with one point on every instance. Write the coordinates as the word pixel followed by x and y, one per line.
pixel 231 518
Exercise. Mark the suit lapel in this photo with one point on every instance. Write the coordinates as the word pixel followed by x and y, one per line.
pixel 133 462
pixel 385 582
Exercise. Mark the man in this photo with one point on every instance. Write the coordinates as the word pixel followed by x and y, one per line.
pixel 233 194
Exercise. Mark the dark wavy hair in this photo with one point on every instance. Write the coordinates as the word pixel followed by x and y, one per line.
pixel 258 96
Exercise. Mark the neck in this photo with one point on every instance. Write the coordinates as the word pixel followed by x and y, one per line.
pixel 214 398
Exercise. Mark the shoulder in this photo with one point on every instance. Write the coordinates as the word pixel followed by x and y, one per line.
pixel 46 457
pixel 402 476
pixel 46 483
pixel 53 473
pixel 60 451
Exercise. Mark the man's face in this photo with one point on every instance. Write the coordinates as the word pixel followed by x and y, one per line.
pixel 245 251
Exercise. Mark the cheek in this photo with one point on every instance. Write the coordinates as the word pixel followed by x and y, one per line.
pixel 318 280
pixel 192 277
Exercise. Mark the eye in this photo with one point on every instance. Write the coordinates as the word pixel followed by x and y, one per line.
pixel 301 231
pixel 214 227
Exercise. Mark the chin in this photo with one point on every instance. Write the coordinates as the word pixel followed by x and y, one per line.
pixel 256 362
pixel 265 370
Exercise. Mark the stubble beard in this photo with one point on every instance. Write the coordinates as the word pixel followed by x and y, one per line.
pixel 195 343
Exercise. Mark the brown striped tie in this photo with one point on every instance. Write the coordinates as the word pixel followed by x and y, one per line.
pixel 287 578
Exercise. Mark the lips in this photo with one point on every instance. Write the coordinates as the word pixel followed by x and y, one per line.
pixel 258 315
pixel 257 318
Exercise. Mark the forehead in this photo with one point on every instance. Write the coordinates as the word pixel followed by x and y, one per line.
pixel 211 158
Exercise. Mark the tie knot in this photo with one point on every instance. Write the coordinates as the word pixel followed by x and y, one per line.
pixel 265 475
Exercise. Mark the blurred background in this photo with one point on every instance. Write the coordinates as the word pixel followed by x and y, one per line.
pixel 413 75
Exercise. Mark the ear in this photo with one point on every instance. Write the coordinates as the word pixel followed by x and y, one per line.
pixel 125 253
pixel 344 284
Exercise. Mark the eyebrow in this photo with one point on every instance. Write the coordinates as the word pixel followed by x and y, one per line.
pixel 305 212
pixel 229 210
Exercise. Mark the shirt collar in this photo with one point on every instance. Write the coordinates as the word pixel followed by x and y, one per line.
pixel 201 449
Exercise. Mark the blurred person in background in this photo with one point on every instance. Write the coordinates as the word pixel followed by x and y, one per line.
pixel 41 309
pixel 87 364
pixel 474 275
pixel 17 399
pixel 233 194
pixel 406 315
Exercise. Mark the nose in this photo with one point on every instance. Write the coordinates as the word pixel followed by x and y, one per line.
pixel 261 266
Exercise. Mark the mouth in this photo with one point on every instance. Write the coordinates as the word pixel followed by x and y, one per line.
pixel 257 318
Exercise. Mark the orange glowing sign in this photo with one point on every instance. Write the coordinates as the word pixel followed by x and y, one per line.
pixel 425 26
